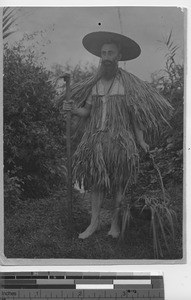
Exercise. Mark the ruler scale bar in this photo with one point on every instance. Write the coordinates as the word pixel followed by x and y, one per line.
pixel 18 282
pixel 78 285
pixel 94 286
pixel 132 281
pixel 133 286
pixel 94 281
pixel 55 281
pixel 52 286
pixel 83 294
pixel 82 275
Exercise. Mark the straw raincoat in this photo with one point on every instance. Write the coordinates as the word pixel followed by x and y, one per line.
pixel 107 156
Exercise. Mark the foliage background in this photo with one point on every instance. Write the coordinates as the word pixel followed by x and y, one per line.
pixel 35 172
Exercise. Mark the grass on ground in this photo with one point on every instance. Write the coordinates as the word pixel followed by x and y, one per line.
pixel 38 229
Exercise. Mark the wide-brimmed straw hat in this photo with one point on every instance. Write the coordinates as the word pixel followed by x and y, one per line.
pixel 94 41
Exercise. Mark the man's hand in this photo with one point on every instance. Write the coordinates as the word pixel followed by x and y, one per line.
pixel 80 112
pixel 144 146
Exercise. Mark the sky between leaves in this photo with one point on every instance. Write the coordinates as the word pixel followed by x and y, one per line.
pixel 65 28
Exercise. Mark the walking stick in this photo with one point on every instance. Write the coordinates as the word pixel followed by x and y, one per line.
pixel 68 145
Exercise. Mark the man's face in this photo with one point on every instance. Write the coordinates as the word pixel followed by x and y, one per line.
pixel 109 53
pixel 110 57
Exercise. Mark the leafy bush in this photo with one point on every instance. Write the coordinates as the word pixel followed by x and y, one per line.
pixel 170 82
pixel 12 190
pixel 33 127
pixel 148 198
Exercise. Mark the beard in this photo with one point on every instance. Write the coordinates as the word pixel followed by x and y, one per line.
pixel 109 69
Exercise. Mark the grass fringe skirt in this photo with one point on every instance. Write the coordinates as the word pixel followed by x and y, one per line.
pixel 107 158
pixel 106 161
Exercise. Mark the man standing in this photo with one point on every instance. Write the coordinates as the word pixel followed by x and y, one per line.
pixel 119 110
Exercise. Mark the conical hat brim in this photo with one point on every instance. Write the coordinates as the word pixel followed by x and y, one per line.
pixel 94 41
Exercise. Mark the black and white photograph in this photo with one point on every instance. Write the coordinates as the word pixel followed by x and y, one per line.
pixel 93 133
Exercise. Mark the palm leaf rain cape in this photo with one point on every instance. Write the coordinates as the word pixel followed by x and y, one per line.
pixel 109 158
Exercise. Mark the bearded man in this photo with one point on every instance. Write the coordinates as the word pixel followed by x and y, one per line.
pixel 119 109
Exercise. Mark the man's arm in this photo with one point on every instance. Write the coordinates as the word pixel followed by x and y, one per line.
pixel 140 137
